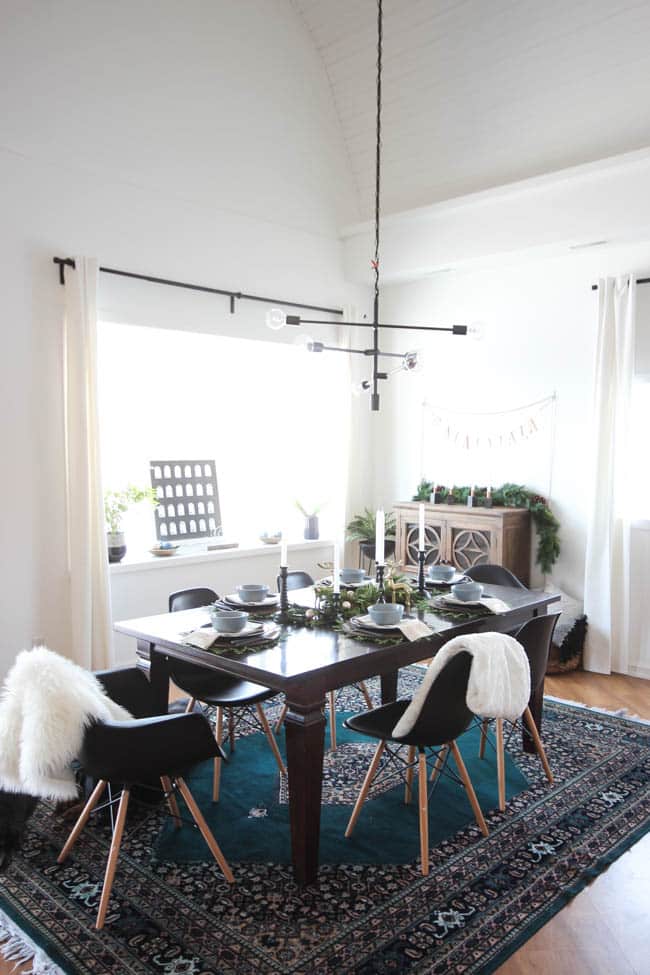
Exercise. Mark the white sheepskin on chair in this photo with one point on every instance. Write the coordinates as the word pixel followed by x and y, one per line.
pixel 499 680
pixel 46 704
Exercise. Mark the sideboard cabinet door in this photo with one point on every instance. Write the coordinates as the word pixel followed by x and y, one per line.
pixel 465 537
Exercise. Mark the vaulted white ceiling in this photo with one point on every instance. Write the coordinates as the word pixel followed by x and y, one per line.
pixel 478 93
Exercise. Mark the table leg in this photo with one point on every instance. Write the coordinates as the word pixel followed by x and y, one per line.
pixel 305 737
pixel 389 687
pixel 158 678
pixel 536 705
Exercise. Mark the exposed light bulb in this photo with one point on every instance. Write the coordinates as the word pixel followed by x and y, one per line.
pixel 315 346
pixel 276 319
pixel 411 361
pixel 476 331
pixel 359 388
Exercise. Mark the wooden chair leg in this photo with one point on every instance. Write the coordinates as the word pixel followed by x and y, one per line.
pixel 231 729
pixel 166 783
pixel 366 695
pixel 197 816
pixel 424 812
pixel 408 788
pixel 332 703
pixel 469 788
pixel 440 761
pixel 501 764
pixel 532 727
pixel 484 730
pixel 218 761
pixel 190 705
pixel 367 782
pixel 112 859
pixel 271 738
pixel 83 819
pixel 280 721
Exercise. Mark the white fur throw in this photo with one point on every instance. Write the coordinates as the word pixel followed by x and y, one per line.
pixel 46 704
pixel 499 679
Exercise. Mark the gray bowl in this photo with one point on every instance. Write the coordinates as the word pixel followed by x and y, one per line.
pixel 441 573
pixel 252 593
pixel 352 575
pixel 386 614
pixel 467 592
pixel 228 620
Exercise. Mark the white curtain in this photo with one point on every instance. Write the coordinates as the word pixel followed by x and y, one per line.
pixel 607 572
pixel 87 560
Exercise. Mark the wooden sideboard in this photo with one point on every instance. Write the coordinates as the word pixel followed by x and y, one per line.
pixel 465 536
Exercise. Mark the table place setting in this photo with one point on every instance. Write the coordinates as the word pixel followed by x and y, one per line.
pixel 468 597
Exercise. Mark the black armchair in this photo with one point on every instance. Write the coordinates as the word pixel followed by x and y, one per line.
pixel 241 699
pixel 494 575
pixel 147 749
pixel 444 716
pixel 535 637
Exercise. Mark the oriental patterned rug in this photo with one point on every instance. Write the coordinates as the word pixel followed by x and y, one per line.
pixel 483 898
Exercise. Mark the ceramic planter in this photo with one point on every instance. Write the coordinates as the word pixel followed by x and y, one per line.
pixel 116 546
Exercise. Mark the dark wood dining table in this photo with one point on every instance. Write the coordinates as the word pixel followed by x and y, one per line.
pixel 305 664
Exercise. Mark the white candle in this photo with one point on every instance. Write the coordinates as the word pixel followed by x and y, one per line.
pixel 379 537
pixel 421 529
pixel 284 561
pixel 336 582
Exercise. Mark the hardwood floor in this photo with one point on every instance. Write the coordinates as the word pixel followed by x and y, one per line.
pixel 602 931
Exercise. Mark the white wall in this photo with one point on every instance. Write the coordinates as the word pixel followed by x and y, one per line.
pixel 540 322
pixel 194 141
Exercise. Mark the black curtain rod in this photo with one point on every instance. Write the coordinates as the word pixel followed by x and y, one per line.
pixel 594 287
pixel 64 262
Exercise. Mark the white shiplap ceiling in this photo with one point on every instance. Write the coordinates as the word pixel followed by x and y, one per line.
pixel 478 93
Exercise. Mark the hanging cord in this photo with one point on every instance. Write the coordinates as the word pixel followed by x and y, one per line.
pixel 375 262
pixel 374 399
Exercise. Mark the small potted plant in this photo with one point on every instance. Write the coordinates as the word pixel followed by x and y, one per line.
pixel 116 503
pixel 311 520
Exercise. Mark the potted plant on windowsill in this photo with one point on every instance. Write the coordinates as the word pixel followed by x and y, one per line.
pixel 116 504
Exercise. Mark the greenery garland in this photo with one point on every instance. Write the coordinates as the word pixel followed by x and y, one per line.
pixel 509 496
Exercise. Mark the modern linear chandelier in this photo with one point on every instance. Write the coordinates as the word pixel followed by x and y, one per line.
pixel 276 318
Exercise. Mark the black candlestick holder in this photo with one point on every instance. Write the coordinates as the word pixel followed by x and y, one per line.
pixel 329 608
pixel 283 615
pixel 422 591
pixel 380 583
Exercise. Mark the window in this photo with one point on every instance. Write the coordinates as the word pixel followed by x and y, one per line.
pixel 274 417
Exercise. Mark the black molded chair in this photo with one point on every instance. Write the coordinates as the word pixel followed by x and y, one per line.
pixel 444 716
pixel 302 580
pixel 143 751
pixel 494 575
pixel 222 691
pixel 535 637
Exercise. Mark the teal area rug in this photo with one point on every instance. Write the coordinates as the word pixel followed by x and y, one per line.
pixel 483 898
pixel 251 819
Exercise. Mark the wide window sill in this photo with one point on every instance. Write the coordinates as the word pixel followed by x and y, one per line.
pixel 139 562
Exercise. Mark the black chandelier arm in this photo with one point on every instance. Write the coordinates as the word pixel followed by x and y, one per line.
pixel 454 329
pixel 64 262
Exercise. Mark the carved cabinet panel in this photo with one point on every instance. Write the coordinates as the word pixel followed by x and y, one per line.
pixel 465 536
